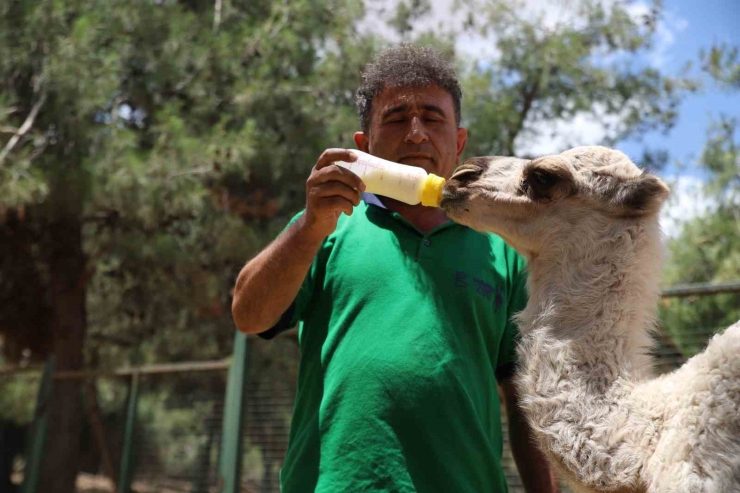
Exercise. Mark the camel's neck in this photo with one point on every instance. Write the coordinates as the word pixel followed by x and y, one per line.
pixel 599 299
pixel 585 339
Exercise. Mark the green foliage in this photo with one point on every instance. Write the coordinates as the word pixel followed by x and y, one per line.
pixel 182 138
pixel 178 137
pixel 548 73
pixel 708 249
pixel 18 397
pixel 175 431
pixel 722 62
pixel 407 11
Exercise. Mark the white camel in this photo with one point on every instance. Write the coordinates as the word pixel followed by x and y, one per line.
pixel 587 222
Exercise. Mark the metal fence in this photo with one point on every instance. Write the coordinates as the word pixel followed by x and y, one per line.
pixel 149 430
pixel 212 427
pixel 273 401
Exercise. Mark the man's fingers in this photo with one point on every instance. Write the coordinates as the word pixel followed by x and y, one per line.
pixel 338 204
pixel 330 156
pixel 336 173
pixel 336 188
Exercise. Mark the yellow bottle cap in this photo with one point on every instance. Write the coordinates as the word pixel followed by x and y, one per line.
pixel 431 192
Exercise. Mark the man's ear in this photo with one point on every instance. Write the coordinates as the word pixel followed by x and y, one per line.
pixel 362 141
pixel 462 139
pixel 641 196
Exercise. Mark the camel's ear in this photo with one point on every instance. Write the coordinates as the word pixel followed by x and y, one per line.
pixel 641 196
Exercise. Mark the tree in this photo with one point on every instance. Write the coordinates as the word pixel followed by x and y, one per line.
pixel 147 150
pixel 150 148
pixel 550 72
pixel 722 62
pixel 707 250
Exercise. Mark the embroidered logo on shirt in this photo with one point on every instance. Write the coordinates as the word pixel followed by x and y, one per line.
pixel 460 279
pixel 482 288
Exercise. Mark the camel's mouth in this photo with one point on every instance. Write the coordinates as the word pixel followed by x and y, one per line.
pixel 480 197
pixel 469 206
pixel 452 199
pixel 457 192
pixel 464 193
pixel 455 202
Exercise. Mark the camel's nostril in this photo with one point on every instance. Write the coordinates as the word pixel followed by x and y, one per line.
pixel 466 174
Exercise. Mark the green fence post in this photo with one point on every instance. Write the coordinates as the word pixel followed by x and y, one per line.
pixel 125 475
pixel 39 429
pixel 230 458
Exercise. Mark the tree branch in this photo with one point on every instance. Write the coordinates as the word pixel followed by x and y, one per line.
pixel 217 15
pixel 24 128
pixel 530 95
pixel 196 171
pixel 8 111
pixel 274 26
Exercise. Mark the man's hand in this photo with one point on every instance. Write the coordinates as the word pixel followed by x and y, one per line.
pixel 330 190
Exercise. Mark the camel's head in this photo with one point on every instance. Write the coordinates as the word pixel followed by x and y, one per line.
pixel 554 199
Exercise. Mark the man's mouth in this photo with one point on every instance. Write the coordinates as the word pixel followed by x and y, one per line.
pixel 416 156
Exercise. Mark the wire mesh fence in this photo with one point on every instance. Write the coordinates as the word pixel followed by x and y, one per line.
pixel 176 433
pixel 273 373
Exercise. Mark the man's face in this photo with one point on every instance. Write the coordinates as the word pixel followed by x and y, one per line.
pixel 415 126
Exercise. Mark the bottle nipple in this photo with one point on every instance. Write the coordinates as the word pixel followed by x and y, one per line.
pixel 431 192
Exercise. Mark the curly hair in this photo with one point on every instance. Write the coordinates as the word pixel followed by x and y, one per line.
pixel 406 66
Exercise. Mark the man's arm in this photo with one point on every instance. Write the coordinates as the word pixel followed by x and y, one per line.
pixel 269 283
pixel 534 470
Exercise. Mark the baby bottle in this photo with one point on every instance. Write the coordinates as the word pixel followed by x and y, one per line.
pixel 409 184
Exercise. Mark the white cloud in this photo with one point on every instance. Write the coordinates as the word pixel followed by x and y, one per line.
pixel 552 13
pixel 443 18
pixel 665 32
pixel 550 137
pixel 659 55
pixel 686 202
pixel 638 10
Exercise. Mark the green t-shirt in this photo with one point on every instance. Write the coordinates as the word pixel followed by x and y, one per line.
pixel 402 337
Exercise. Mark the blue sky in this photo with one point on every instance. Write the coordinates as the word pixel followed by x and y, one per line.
pixel 703 24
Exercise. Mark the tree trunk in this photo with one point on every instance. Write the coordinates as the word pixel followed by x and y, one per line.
pixel 67 297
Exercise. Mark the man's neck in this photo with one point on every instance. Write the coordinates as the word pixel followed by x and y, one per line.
pixel 425 219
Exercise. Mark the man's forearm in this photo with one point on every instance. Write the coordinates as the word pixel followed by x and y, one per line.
pixel 532 464
pixel 269 283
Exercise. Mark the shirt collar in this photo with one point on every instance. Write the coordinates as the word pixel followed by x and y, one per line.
pixel 372 199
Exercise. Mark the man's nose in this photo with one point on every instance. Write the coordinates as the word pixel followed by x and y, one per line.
pixel 417 133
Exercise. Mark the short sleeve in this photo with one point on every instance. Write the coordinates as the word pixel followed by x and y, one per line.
pixel 293 314
pixel 507 358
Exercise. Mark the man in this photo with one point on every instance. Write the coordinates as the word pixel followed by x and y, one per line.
pixel 404 315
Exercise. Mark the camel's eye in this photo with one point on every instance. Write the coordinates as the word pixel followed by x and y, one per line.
pixel 544 178
pixel 547 181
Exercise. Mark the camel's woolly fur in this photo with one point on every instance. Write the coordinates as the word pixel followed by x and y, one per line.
pixel 594 249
